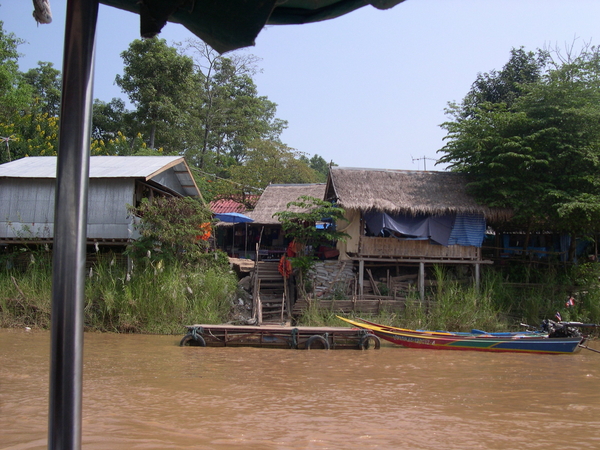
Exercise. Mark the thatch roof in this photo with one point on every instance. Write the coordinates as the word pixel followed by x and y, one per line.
pixel 276 197
pixel 404 192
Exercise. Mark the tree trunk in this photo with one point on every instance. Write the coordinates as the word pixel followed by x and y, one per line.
pixel 152 134
pixel 204 145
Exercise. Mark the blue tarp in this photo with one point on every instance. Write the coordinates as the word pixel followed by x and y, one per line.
pixel 461 229
pixel 469 229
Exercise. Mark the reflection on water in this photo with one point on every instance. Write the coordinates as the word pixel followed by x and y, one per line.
pixel 145 392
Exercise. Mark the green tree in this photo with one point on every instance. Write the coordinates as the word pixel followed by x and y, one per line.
pixel 30 104
pixel 301 216
pixel 506 85
pixel 39 135
pixel 46 82
pixel 15 97
pixel 158 81
pixel 564 119
pixel 227 111
pixel 271 162
pixel 109 118
pixel 299 223
pixel 171 229
pixel 113 131
pixel 267 162
pixel 319 165
pixel 15 93
pixel 539 153
pixel 34 126
pixel 121 145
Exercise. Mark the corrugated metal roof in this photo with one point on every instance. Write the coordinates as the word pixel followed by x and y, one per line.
pixel 100 166
pixel 226 206
pixel 145 167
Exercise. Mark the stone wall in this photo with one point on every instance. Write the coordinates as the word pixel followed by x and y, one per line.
pixel 332 276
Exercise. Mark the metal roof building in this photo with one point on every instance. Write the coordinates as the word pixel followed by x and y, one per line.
pixel 27 191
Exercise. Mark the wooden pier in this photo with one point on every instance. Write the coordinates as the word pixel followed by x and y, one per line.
pixel 272 336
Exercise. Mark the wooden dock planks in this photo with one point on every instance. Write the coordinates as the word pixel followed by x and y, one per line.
pixel 271 336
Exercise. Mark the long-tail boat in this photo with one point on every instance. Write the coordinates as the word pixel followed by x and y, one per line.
pixel 550 343
pixel 473 332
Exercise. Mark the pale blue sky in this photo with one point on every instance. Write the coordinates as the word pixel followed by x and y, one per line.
pixel 365 90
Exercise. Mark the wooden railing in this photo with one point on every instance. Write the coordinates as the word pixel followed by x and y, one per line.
pixel 388 247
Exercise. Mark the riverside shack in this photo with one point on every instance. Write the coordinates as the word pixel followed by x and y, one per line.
pixel 404 217
pixel 274 199
pixel 27 195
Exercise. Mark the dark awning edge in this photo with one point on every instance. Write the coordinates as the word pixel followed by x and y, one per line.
pixel 233 24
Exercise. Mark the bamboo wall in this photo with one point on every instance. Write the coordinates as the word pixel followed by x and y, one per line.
pixel 394 248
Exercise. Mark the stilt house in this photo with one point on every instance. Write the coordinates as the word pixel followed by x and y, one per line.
pixel 408 217
pixel 27 189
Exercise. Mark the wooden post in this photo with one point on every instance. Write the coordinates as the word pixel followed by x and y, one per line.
pixel 477 276
pixel 284 299
pixel 422 281
pixel 258 302
pixel 373 283
pixel 389 282
pixel 288 300
pixel 361 278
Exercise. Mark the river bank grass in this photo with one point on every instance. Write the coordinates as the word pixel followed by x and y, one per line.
pixel 496 306
pixel 159 298
pixel 151 298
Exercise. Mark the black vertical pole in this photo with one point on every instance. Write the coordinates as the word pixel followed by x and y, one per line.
pixel 70 219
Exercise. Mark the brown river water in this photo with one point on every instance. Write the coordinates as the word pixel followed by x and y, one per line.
pixel 146 392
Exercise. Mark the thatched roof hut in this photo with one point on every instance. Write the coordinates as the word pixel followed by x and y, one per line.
pixel 276 197
pixel 404 192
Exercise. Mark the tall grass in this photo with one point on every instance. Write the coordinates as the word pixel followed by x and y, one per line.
pixel 152 298
pixel 314 316
pixel 496 305
pixel 460 307
pixel 25 291
pixel 156 297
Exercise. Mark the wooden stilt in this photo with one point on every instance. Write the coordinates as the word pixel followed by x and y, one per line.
pixel 422 281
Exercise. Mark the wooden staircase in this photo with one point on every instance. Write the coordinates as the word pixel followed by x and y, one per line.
pixel 271 291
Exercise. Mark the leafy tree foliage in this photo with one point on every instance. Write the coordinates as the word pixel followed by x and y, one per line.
pixel 299 224
pixel 120 145
pixel 319 165
pixel 15 94
pixel 270 162
pixel 46 82
pixel 506 85
pixel 158 80
pixel 29 113
pixel 267 162
pixel 227 111
pixel 171 228
pixel 109 118
pixel 536 148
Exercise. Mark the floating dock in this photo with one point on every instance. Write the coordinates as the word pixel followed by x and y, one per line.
pixel 273 336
